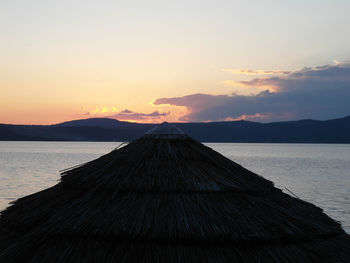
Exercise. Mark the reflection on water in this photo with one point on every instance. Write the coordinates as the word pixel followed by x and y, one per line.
pixel 318 173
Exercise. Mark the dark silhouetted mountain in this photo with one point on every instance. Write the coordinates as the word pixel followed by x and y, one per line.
pixel 93 122
pixel 104 129
pixel 7 134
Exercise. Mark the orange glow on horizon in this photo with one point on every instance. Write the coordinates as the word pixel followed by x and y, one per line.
pixel 40 116
pixel 247 117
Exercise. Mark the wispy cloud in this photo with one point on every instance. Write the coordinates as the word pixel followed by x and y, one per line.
pixel 255 71
pixel 103 110
pixel 321 92
pixel 256 116
pixel 259 83
pixel 138 116
pixel 127 115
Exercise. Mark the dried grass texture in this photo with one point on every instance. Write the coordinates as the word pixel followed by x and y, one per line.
pixel 167 199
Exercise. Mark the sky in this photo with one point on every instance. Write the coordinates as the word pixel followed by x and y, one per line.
pixel 178 61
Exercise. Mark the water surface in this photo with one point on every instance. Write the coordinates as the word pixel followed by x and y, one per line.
pixel 318 173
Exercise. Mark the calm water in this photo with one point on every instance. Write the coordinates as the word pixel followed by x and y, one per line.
pixel 317 173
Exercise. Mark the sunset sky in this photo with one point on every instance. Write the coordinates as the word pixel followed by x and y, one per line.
pixel 150 61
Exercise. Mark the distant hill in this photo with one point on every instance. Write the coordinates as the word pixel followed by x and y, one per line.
pixel 6 134
pixel 93 122
pixel 104 129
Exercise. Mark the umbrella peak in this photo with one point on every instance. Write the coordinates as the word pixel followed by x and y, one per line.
pixel 167 130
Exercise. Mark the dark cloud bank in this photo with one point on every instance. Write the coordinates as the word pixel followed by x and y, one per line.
pixel 319 93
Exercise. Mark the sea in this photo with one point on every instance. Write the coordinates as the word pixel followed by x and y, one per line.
pixel 317 173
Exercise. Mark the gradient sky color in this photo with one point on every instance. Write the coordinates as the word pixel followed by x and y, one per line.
pixel 130 60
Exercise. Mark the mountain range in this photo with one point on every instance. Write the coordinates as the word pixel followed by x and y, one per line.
pixel 105 129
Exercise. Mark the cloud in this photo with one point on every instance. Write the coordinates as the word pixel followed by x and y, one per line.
pixel 322 92
pixel 126 111
pixel 255 71
pixel 103 110
pixel 256 116
pixel 137 116
pixel 259 83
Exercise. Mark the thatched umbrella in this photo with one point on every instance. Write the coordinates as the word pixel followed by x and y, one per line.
pixel 167 198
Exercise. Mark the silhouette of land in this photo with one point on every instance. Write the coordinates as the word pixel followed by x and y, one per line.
pixel 104 129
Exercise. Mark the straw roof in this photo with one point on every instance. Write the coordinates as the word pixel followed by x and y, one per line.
pixel 167 198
